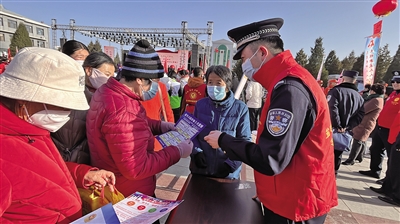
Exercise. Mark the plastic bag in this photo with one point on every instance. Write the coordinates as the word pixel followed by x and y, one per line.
pixel 94 199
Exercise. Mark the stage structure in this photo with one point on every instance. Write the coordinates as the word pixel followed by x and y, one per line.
pixel 179 38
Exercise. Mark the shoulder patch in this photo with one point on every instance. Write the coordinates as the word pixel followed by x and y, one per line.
pixel 279 83
pixel 328 97
pixel 278 121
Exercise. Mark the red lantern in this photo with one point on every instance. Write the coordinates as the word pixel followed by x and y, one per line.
pixel 384 7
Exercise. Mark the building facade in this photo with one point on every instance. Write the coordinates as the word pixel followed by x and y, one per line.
pixel 222 53
pixel 9 22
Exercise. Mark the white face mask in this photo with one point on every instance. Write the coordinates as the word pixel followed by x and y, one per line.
pixel 51 120
pixel 248 69
pixel 97 78
pixel 80 62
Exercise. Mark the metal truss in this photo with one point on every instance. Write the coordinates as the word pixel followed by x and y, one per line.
pixel 178 38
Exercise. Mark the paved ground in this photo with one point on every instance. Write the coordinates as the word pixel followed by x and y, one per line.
pixel 357 203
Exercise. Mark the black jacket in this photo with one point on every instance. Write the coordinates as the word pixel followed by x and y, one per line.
pixel 345 106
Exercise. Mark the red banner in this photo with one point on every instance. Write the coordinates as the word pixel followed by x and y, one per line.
pixel 174 58
pixel 377 27
pixel 109 51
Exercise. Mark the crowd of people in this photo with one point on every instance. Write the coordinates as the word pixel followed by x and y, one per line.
pixel 67 123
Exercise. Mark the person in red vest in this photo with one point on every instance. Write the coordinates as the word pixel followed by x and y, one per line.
pixel 391 184
pixel 293 154
pixel 380 138
pixel 195 90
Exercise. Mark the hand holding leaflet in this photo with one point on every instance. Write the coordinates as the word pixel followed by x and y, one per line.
pixel 188 127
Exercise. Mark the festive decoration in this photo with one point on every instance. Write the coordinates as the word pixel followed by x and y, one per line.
pixel 384 7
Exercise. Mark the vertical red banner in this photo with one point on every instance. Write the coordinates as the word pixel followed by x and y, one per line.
pixel 109 51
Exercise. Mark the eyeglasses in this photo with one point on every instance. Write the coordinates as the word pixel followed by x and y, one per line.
pixel 395 81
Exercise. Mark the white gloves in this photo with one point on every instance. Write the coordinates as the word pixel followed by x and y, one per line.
pixel 167 126
pixel 185 148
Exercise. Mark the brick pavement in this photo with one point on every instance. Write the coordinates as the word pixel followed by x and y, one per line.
pixel 357 203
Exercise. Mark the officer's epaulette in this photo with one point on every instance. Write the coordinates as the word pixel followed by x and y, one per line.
pixel 279 84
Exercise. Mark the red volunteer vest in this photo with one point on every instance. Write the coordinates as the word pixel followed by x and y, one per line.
pixel 307 187
pixel 192 95
pixel 389 110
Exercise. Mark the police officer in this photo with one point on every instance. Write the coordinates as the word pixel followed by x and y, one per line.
pixel 346 108
pixel 293 154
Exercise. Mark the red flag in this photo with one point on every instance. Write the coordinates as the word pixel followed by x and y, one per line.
pixel 165 66
pixel 377 27
pixel 228 64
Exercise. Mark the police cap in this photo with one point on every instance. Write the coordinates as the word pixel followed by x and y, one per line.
pixel 246 34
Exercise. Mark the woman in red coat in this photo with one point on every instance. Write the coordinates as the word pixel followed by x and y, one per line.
pixel 120 135
pixel 38 90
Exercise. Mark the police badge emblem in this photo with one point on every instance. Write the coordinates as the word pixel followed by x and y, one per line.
pixel 278 121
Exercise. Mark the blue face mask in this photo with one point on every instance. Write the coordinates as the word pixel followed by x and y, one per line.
pixel 151 93
pixel 216 92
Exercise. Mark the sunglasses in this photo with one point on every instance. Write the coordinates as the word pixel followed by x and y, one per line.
pixel 395 81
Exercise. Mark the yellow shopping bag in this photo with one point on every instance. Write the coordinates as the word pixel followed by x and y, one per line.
pixel 93 199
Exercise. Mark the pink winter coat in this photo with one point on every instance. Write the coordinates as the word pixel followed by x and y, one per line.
pixel 372 109
pixel 121 140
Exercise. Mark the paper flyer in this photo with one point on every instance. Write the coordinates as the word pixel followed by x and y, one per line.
pixel 140 208
pixel 188 127
pixel 105 214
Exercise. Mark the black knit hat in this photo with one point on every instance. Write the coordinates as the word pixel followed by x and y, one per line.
pixel 142 61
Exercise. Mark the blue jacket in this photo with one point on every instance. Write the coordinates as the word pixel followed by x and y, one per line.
pixel 230 116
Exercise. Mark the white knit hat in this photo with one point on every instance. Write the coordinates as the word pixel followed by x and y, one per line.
pixel 45 76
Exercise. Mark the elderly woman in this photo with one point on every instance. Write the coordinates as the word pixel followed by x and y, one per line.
pixel 372 107
pixel 71 139
pixel 38 90
pixel 219 111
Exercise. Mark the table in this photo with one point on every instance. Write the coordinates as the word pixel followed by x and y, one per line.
pixel 215 200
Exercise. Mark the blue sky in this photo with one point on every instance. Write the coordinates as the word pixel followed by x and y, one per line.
pixel 343 25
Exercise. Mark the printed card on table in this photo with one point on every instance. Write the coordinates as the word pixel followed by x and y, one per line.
pixel 188 127
pixel 141 208
pixel 136 208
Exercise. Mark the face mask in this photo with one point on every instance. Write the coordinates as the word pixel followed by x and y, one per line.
pixel 80 62
pixel 248 69
pixel 51 120
pixel 216 92
pixel 148 95
pixel 97 78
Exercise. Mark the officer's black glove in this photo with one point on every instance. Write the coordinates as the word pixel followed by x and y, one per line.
pixel 200 160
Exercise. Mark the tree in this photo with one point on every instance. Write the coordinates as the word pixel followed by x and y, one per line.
pixel 97 47
pixel 301 58
pixel 317 54
pixel 237 68
pixel 20 39
pixel 333 64
pixel 117 61
pixel 90 46
pixel 359 64
pixel 348 62
pixel 383 62
pixel 394 66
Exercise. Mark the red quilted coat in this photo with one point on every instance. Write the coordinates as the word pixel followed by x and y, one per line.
pixel 36 185
pixel 121 139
